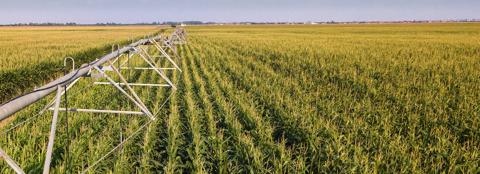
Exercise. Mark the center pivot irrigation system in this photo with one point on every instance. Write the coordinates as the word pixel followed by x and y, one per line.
pixel 97 69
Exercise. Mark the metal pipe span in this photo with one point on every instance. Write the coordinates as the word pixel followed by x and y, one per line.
pixel 15 105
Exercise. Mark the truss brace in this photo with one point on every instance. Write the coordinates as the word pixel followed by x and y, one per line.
pixel 10 162
pixel 63 84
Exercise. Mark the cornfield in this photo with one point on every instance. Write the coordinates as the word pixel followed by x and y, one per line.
pixel 396 98
pixel 31 55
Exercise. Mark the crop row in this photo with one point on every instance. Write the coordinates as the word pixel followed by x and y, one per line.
pixel 284 100
pixel 30 58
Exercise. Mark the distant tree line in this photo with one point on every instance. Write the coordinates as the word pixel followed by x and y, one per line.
pixel 110 23
pixel 175 23
pixel 43 24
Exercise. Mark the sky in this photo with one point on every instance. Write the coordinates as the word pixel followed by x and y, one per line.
pixel 134 11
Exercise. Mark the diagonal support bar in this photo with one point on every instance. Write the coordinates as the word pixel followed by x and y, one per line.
pixel 159 72
pixel 11 162
pixel 145 110
pixel 168 44
pixel 118 58
pixel 177 38
pixel 48 157
pixel 13 106
pixel 130 89
pixel 164 54
pixel 50 104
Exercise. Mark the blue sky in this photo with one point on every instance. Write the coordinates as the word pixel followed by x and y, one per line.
pixel 131 11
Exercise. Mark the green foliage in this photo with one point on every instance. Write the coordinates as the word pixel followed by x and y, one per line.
pixel 31 56
pixel 396 98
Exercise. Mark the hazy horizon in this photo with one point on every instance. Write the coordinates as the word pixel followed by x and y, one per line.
pixel 122 11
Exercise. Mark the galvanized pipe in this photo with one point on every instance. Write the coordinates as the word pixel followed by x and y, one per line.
pixel 98 111
pixel 144 68
pixel 13 106
pixel 134 84
pixel 63 92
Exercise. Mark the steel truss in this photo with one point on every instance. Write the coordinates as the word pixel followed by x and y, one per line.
pixel 163 44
